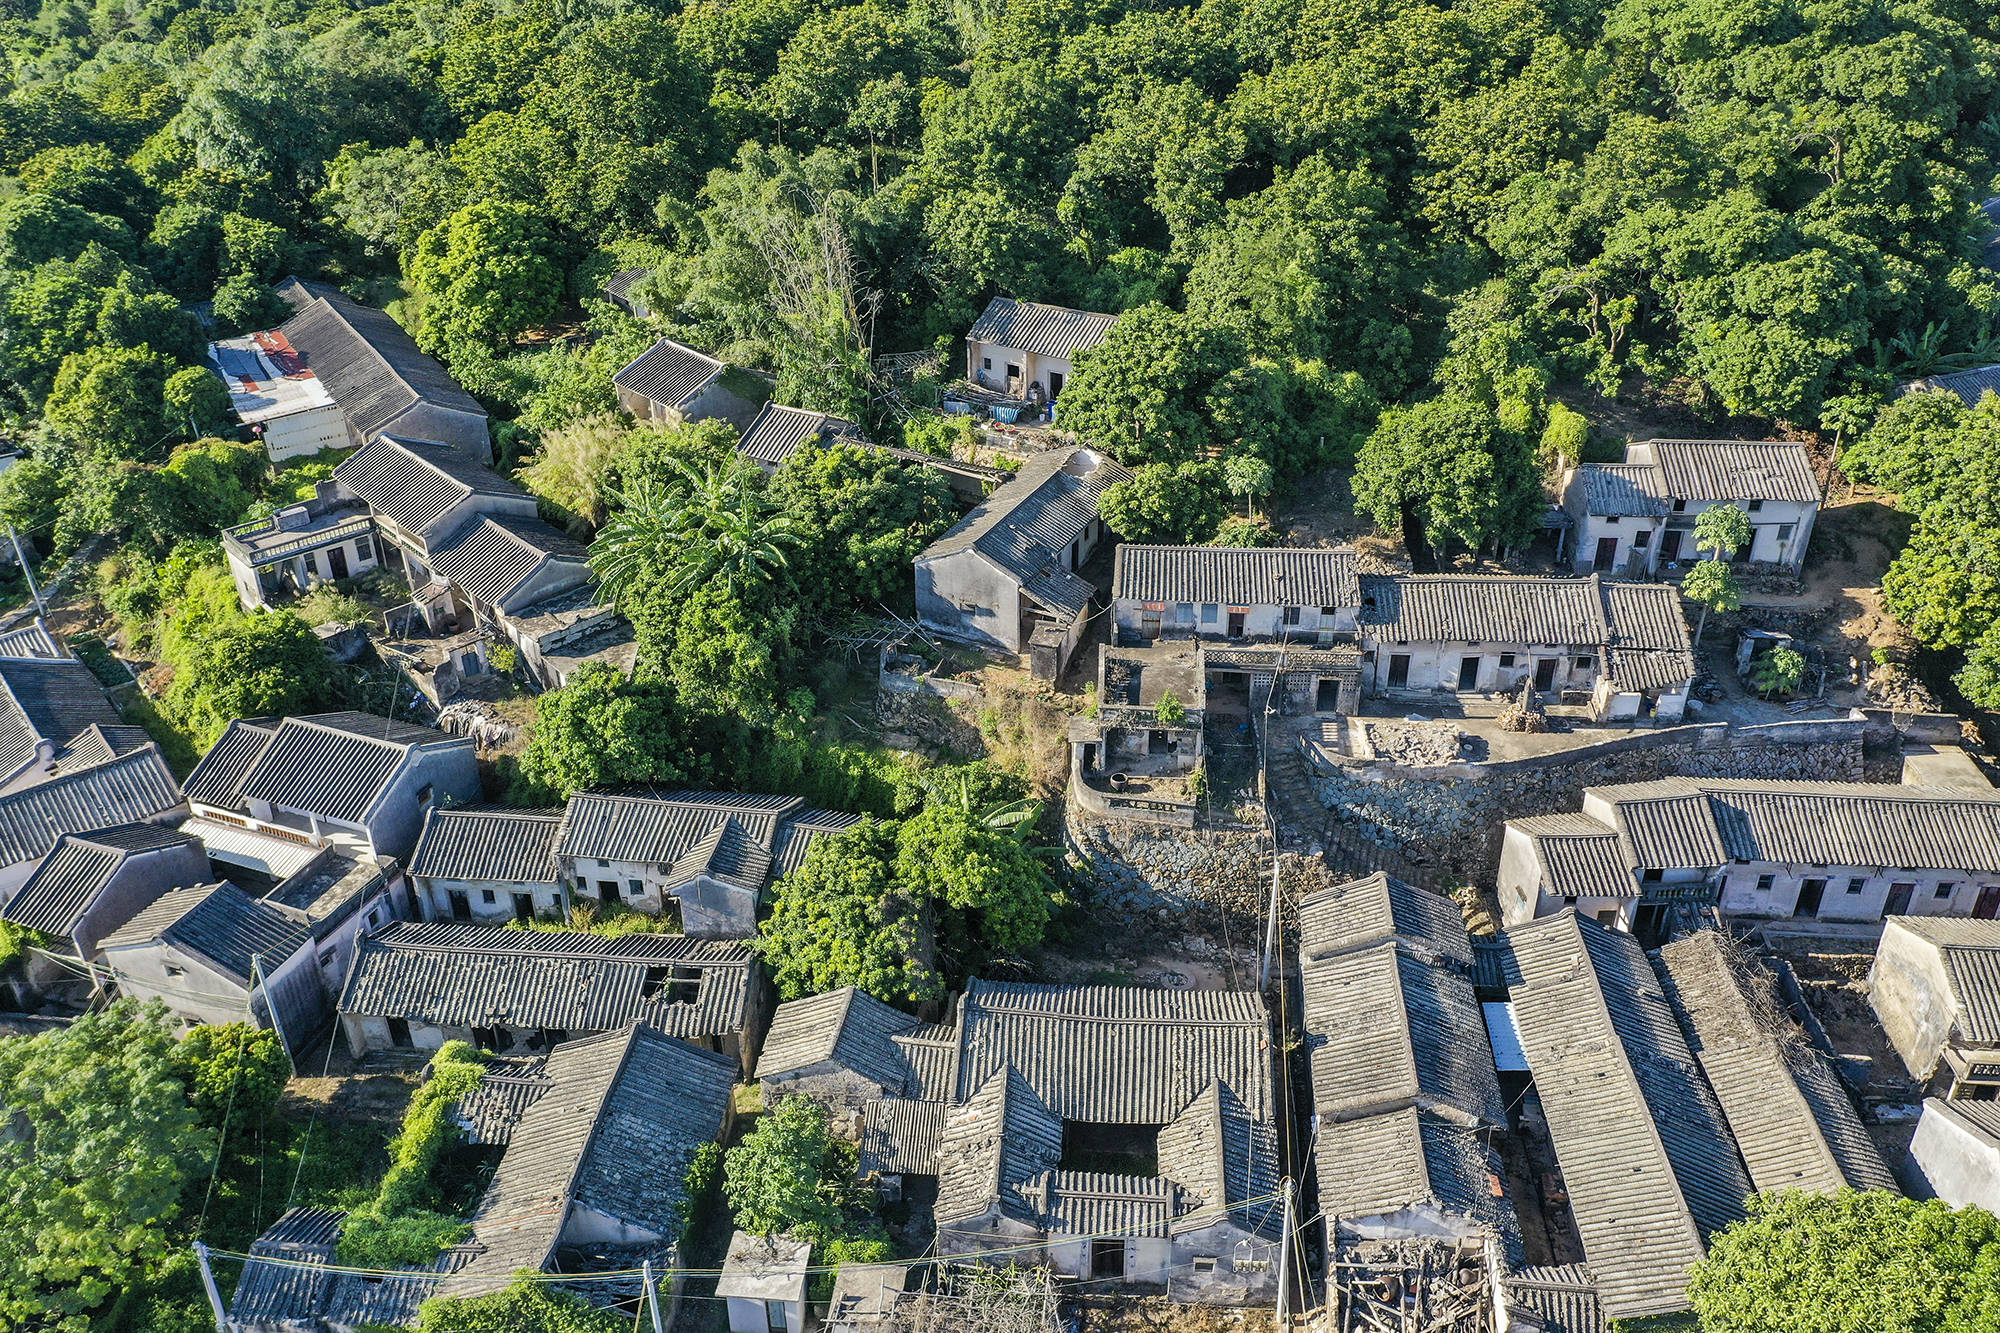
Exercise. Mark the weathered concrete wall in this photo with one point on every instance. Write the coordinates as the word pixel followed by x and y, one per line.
pixel 1450 818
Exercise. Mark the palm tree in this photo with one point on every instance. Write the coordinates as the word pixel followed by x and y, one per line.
pixel 694 527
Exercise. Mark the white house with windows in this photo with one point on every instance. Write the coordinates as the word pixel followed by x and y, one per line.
pixel 1026 350
pixel 1827 851
pixel 1635 517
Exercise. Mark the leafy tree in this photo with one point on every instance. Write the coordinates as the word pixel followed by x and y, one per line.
pixel 1722 530
pixel 36 228
pixel 88 175
pixel 787 1176
pixel 235 1070
pixel 1817 1263
pixel 1979 679
pixel 601 729
pixel 261 666
pixel 1566 435
pixel 1712 586
pixel 1918 444
pixel 253 247
pixel 193 394
pixel 839 920
pixel 488 274
pixel 1165 502
pixel 101 1147
pixel 1142 392
pixel 730 657
pixel 243 304
pixel 1248 476
pixel 1778 672
pixel 1444 471
pixel 1945 585
pixel 111 401
pixel 992 895
pixel 861 517
pixel 527 1305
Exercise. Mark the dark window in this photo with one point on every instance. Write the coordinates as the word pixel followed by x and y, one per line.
pixel 424 794
pixel 1756 505
pixel 1585 663
pixel 1764 882
pixel 1784 532
pixel 1642 539
pixel 1680 506
pixel 1209 612
pixel 1107 1258
pixel 1328 612
pixel 487 896
pixel 1506 659
pixel 1291 615
pixel 607 889
pixel 1569 900
pixel 364 549
pixel 1653 876
pixel 986 363
pixel 1944 889
pixel 638 887
pixel 678 985
pixel 1013 372
pixel 399 1034
pixel 1857 884
pixel 524 907
pixel 312 564
pixel 1203 1263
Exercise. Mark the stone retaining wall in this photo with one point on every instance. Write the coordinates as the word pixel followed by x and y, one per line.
pixel 1162 879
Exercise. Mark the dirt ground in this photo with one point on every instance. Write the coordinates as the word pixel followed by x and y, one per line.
pixel 1154 1314
pixel 1834 977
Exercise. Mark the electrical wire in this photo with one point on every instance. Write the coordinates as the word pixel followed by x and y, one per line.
pixel 235 1078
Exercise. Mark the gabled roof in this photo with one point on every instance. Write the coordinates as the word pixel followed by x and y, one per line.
pixel 459 974
pixel 1232 575
pixel 488 843
pixel 849 1027
pixel 1723 470
pixel 1026 525
pixel 1622 489
pixel 740 839
pixel 1386 1029
pixel 900 1135
pixel 668 373
pixel 1787 1111
pixel 1969 386
pixel 221 923
pixel 44 699
pixel 370 366
pixel 779 432
pixel 334 765
pixel 134 787
pixel 1409 1159
pixel 1560 1298
pixel 77 869
pixel 31 640
pixel 1579 857
pixel 615 1130
pixel 1223 1157
pixel 1377 908
pixel 998 1140
pixel 1970 953
pixel 489 558
pixel 1500 608
pixel 419 484
pixel 1645 1156
pixel 1039 330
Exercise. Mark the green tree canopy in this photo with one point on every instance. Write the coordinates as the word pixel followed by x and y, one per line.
pixel 602 729
pixel 787 1175
pixel 111 401
pixel 1165 502
pixel 525 1307
pixel 861 517
pixel 488 274
pixel 233 1070
pixel 1444 472
pixel 840 920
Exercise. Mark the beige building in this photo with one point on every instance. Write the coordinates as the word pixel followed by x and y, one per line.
pixel 1935 985
pixel 1026 350
pixel 1631 519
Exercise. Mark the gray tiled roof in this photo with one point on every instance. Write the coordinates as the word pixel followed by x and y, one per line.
pixel 1561 1298
pixel 459 974
pixel 621 1120
pixel 1622 489
pixel 1579 856
pixel 1970 951
pixel 1117 1054
pixel 1026 525
pixel 1379 907
pixel 847 1026
pixel 1787 1111
pixel 371 368
pixel 1736 470
pixel 1385 1029
pixel 502 1096
pixel 1039 330
pixel 1664 825
pixel 1980 1117
pixel 31 640
pixel 1969 386
pixel 900 1136
pixel 668 373
pixel 134 787
pixel 1228 575
pixel 286 1284
pixel 99 744
pixel 998 1139
pixel 78 868
pixel 488 843
pixel 1409 1158
pixel 47 700
pixel 778 432
pixel 1645 1156
pixel 1646 616
pixel 1223 1157
pixel 933 1060
pixel 488 559
pixel 740 839
pixel 335 765
pixel 221 923
pixel 1500 608
pixel 417 483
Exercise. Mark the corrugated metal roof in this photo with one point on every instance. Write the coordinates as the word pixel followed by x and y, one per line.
pixel 1721 470
pixel 1644 1154
pixel 1457 608
pixel 458 974
pixel 498 844
pixel 778 432
pixel 132 788
pixel 418 483
pixel 1039 330
pixel 67 882
pixel 1788 1113
pixel 1622 489
pixel 1247 576
pixel 1385 1029
pixel 668 373
pixel 488 559
pixel 1380 907
pixel 1026 525
pixel 221 923
pixel 370 366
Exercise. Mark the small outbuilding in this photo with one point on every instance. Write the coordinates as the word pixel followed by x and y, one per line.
pixel 764 1281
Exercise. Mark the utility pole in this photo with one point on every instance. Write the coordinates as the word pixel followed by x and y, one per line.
pixel 258 981
pixel 1271 924
pixel 208 1285
pixel 652 1294
pixel 26 573
pixel 1285 1260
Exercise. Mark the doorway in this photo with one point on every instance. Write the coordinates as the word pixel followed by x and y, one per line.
pixel 1810 893
pixel 336 559
pixel 1107 1258
pixel 524 907
pixel 1056 382
pixel 1899 899
pixel 1468 673
pixel 1670 545
pixel 1988 906
pixel 1607 554
pixel 1545 674
pixel 399 1034
pixel 1235 623
pixel 1327 700
pixel 1399 670
pixel 461 905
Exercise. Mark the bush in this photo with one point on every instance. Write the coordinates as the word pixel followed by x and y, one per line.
pixel 398 1227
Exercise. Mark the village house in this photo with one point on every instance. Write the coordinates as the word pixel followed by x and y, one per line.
pixel 621 290
pixel 597 1139
pixel 213 953
pixel 1635 517
pixel 1044 1117
pixel 779 432
pixel 1792 1120
pixel 1027 351
pixel 1152 708
pixel 272 792
pixel 1836 852
pixel 337 374
pixel 1404 1088
pixel 1935 984
pixel 54 718
pixel 340 895
pixel 131 785
pixel 763 1283
pixel 93 882
pixel 673 384
pixel 1006 576
pixel 488 863
pixel 299 547
pixel 1968 386
pixel 416 985
pixel 1644 1155
pixel 1956 1149
pixel 1339 636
